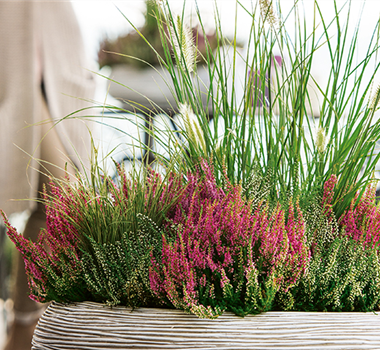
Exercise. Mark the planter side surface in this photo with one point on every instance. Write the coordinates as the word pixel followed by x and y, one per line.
pixel 90 325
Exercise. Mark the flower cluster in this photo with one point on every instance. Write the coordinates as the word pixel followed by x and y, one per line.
pixel 344 270
pixel 216 245
pixel 52 263
pixel 82 221
pixel 361 222
pixel 184 241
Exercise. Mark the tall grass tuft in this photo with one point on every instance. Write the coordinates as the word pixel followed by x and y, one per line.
pixel 274 123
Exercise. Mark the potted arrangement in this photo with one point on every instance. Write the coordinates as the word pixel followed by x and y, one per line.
pixel 262 209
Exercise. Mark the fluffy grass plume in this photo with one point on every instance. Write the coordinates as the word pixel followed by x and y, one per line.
pixel 183 44
pixel 192 127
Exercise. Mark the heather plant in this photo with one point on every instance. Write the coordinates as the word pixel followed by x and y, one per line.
pixel 342 277
pixel 219 254
pixel 52 263
pixel 344 270
pixel 362 222
pixel 203 247
pixel 98 238
pixel 118 273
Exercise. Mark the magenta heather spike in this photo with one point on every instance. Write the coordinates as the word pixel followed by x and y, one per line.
pixel 211 227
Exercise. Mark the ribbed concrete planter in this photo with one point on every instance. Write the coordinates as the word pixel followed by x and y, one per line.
pixel 95 326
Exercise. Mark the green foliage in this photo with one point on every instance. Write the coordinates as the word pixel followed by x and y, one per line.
pixel 321 228
pixel 343 273
pixel 281 219
pixel 344 277
pixel 118 273
pixel 61 283
pixel 258 188
pixel 277 129
pixel 109 210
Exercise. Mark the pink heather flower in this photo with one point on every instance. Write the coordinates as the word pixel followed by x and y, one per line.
pixel 328 194
pixel 59 241
pixel 209 230
pixel 362 223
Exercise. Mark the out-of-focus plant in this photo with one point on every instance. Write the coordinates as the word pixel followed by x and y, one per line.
pixel 132 49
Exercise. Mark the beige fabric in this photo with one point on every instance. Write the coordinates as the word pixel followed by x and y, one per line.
pixel 38 38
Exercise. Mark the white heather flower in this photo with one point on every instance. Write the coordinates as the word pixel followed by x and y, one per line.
pixel 321 140
pixel 183 44
pixel 192 126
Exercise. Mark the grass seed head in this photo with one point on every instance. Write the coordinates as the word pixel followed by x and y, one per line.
pixel 267 13
pixel 183 44
pixel 321 140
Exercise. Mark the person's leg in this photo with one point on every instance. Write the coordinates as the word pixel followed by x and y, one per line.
pixel 27 312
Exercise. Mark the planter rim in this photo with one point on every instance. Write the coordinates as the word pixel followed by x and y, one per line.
pixel 89 325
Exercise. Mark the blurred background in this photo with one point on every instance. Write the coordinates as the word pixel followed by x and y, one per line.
pixel 104 28
pixel 101 19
